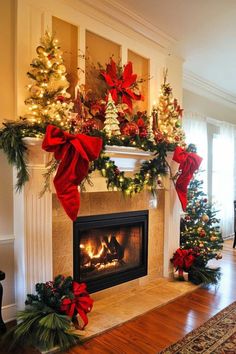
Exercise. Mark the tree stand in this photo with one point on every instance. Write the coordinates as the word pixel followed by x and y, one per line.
pixel 2 324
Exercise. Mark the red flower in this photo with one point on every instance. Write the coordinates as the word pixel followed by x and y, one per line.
pixel 123 85
pixel 80 305
pixel 183 259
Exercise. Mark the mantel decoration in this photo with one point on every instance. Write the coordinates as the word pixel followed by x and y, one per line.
pixel 51 317
pixel 78 130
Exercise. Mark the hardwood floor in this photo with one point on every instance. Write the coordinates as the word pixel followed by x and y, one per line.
pixel 152 332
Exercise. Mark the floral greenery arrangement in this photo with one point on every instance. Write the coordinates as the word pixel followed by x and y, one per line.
pixel 49 103
pixel 51 316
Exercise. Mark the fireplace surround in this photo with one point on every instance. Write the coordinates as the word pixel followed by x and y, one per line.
pixel 110 249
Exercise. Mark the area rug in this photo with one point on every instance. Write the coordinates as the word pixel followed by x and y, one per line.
pixel 216 336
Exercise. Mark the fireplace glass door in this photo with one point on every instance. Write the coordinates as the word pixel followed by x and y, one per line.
pixel 110 249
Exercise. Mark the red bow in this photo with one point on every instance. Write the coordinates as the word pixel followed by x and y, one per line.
pixel 121 86
pixel 81 303
pixel 74 153
pixel 183 259
pixel 189 163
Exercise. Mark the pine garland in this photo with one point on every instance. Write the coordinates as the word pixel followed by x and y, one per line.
pixel 40 326
pixel 11 142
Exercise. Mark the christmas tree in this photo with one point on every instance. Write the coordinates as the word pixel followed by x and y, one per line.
pixel 170 115
pixel 111 123
pixel 48 99
pixel 200 232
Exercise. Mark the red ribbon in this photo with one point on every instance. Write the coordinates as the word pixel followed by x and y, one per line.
pixel 121 86
pixel 189 163
pixel 74 151
pixel 183 259
pixel 81 303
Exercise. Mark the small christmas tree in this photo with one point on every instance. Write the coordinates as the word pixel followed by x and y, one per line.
pixel 169 115
pixel 48 100
pixel 200 230
pixel 111 123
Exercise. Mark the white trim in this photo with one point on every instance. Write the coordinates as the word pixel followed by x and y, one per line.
pixel 9 313
pixel 202 87
pixel 7 238
pixel 218 123
pixel 130 19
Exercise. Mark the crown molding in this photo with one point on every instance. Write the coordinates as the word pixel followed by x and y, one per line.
pixel 202 87
pixel 130 19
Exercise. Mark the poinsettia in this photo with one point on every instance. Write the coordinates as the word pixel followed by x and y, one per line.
pixel 122 84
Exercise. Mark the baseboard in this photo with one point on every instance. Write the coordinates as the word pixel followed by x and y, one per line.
pixel 9 313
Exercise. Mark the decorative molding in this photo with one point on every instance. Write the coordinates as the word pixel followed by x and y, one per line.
pixel 9 313
pixel 7 238
pixel 202 87
pixel 130 19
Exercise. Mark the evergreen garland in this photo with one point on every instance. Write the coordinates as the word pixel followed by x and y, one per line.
pixel 12 143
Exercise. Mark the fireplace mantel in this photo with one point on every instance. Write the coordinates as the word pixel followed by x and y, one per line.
pixel 33 217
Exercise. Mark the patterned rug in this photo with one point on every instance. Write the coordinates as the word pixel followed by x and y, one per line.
pixel 216 336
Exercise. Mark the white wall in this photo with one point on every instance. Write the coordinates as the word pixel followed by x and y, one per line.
pixel 7 111
pixel 208 107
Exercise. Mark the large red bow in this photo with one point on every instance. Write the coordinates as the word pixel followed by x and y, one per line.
pixel 80 305
pixel 123 85
pixel 189 163
pixel 74 151
pixel 183 259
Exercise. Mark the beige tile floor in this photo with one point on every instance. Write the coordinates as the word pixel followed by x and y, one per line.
pixel 119 307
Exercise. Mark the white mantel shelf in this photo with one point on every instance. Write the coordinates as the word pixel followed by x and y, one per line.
pixel 33 215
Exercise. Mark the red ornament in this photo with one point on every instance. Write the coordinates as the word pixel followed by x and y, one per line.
pixel 202 233
pixel 142 128
pixel 187 218
pixel 89 125
pixel 130 129
pixel 61 98
pixel 205 200
pixel 159 137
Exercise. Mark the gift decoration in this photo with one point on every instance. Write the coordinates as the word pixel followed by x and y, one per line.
pixel 51 316
pixel 183 260
pixel 168 115
pixel 48 100
pixel 74 152
pixel 122 83
pixel 189 163
pixel 111 123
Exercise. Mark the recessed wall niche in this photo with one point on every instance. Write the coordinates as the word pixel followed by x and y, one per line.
pixel 98 50
pixel 67 35
pixel 141 68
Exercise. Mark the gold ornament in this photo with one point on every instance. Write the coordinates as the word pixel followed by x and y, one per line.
pixel 205 218
pixel 219 256
pixel 213 238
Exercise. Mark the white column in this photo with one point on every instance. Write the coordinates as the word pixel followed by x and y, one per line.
pixel 172 218
pixel 32 228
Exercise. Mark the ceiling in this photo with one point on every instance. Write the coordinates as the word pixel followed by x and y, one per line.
pixel 205 34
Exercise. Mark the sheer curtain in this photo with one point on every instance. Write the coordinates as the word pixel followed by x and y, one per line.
pixel 223 180
pixel 195 127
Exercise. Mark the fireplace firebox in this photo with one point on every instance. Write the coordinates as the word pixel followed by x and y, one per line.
pixel 110 249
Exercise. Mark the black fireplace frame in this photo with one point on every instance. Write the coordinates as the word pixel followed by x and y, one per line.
pixel 108 220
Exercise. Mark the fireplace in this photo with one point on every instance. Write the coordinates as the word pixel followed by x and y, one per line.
pixel 110 249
